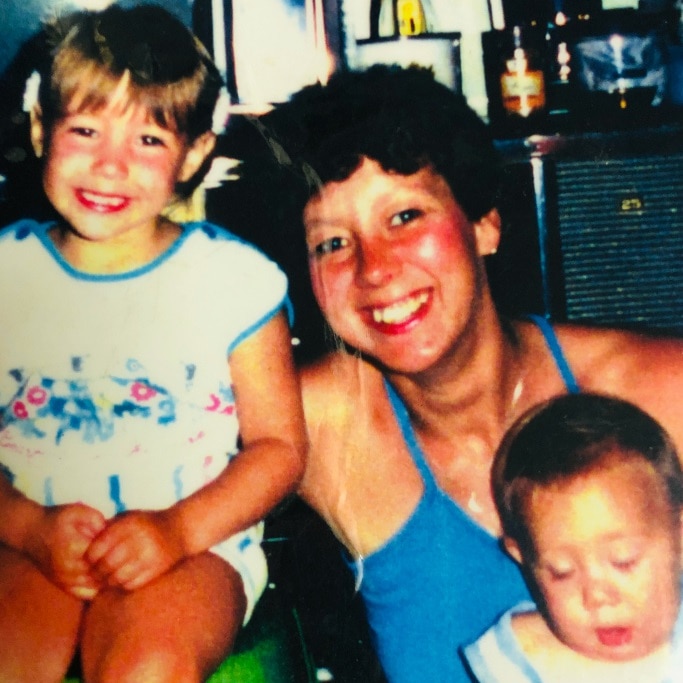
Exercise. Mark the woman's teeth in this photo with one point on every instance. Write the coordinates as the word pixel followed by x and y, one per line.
pixel 400 311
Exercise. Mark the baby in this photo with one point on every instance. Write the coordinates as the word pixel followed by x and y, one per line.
pixel 589 491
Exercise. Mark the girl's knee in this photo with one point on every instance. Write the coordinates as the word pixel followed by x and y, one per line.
pixel 39 623
pixel 152 663
pixel 146 635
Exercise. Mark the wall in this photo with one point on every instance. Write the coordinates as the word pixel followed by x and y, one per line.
pixel 469 17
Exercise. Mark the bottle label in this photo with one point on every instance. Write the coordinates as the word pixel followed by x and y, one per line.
pixel 523 92
pixel 411 18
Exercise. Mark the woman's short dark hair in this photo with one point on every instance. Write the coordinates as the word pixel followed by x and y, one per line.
pixel 572 435
pixel 400 117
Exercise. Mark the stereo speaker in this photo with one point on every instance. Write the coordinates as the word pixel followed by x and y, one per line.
pixel 608 218
pixel 620 229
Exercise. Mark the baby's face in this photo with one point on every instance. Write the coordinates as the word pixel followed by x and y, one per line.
pixel 607 561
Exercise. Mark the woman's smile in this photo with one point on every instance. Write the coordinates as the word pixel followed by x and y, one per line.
pixel 400 315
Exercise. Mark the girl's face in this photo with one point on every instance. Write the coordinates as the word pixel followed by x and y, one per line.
pixel 111 172
pixel 607 561
pixel 395 263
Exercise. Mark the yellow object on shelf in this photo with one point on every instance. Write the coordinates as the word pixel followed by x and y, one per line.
pixel 410 17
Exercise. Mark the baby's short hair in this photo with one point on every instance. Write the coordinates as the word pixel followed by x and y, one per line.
pixel 573 435
pixel 170 71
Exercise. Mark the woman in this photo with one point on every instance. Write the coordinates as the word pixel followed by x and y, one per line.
pixel 405 419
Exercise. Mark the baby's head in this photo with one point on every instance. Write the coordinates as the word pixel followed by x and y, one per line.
pixel 589 491
pixel 139 56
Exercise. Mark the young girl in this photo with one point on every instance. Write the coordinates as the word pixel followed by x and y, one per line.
pixel 130 347
pixel 590 495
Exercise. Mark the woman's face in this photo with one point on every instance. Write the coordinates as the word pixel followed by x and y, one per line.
pixel 395 263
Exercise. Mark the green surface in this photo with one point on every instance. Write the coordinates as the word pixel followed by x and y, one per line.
pixel 268 650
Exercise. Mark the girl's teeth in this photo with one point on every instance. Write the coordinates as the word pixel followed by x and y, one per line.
pixel 400 311
pixel 100 199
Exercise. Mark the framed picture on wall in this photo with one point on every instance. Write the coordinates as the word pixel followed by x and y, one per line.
pixel 269 49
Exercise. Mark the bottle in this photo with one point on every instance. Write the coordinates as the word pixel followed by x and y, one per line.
pixel 410 17
pixel 522 81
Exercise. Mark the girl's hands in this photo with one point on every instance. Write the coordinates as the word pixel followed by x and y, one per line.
pixel 135 548
pixel 58 547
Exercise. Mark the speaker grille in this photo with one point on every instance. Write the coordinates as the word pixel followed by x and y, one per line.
pixel 621 240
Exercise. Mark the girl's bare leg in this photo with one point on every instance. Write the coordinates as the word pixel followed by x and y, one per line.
pixel 39 623
pixel 177 628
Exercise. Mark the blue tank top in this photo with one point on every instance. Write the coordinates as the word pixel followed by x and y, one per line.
pixel 442 580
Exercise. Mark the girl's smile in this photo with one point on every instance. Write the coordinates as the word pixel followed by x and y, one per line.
pixel 101 203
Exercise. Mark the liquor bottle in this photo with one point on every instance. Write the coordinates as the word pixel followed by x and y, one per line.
pixel 522 81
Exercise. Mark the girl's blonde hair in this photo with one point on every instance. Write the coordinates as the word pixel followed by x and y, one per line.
pixel 168 71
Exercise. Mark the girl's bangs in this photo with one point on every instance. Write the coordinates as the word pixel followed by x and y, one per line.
pixel 94 88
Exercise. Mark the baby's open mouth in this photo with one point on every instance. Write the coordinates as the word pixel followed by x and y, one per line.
pixel 614 636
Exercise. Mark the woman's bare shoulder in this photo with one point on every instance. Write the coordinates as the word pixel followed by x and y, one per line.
pixel 356 448
pixel 336 365
pixel 337 391
pixel 615 355
pixel 336 382
pixel 642 368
